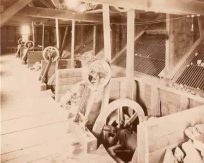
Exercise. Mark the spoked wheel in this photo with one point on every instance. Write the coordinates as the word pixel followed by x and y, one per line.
pixel 29 45
pixel 119 134
pixel 51 52
pixel 98 74
pixel 21 42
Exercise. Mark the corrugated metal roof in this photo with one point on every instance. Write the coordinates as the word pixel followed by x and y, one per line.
pixel 149 55
pixel 193 75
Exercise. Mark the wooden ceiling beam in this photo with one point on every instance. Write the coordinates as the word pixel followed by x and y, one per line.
pixel 47 3
pixel 59 14
pixel 161 6
pixel 19 20
pixel 12 10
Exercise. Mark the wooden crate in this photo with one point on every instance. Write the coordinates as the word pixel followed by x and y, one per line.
pixel 65 79
pixel 156 135
pixel 33 57
pixel 66 76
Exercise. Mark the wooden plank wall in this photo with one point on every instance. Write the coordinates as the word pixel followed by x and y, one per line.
pixel 9 37
pixel 155 135
pixel 155 100
pixel 166 102
pixel 33 57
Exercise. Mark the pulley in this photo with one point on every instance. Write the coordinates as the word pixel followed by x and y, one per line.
pixel 52 53
pixel 29 45
pixel 21 42
pixel 97 74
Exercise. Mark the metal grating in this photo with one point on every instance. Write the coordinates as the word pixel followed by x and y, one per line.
pixel 149 55
pixel 193 75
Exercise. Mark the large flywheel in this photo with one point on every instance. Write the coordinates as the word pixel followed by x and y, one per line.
pixel 119 134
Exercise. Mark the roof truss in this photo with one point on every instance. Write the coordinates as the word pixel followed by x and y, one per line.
pixel 59 14
pixel 162 6
pixel 12 10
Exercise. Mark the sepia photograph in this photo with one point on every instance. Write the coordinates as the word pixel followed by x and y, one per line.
pixel 102 81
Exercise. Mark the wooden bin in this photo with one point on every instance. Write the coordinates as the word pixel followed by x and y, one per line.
pixel 156 135
pixel 33 57
pixel 66 77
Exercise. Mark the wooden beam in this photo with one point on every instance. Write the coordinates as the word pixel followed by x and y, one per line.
pixel 94 39
pixel 130 44
pixel 18 20
pixel 43 36
pixel 59 14
pixel 130 53
pixel 12 10
pixel 72 43
pixel 201 31
pixel 163 6
pixel 107 32
pixel 107 55
pixel 33 32
pixel 169 46
pixel 57 33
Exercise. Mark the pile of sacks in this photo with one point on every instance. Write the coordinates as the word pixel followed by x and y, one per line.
pixel 191 151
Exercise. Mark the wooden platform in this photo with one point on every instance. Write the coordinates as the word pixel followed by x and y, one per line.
pixel 34 128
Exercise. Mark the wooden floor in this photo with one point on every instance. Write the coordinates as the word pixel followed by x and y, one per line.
pixel 33 127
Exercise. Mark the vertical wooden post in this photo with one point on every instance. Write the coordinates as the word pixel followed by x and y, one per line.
pixel 43 36
pixel 130 52
pixel 94 40
pixel 57 32
pixel 33 32
pixel 107 48
pixel 98 126
pixel 72 43
pixel 169 45
pixel 200 27
pixel 107 32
